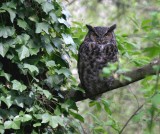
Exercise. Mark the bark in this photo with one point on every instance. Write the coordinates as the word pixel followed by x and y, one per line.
pixel 135 75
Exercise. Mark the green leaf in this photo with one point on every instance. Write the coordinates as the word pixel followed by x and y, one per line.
pixel 152 51
pixel 64 71
pixel 23 52
pixel 50 63
pixel 45 118
pixel 34 18
pixel 6 31
pixel 19 101
pixel 8 124
pixel 106 107
pixel 10 4
pixel 156 100
pixel 6 75
pixel 47 94
pixel 10 7
pixel 67 39
pixel 2 129
pixel 43 26
pixel 38 124
pixel 31 68
pixel 40 1
pixel 12 14
pixel 22 39
pixel 63 21
pixel 12 124
pixel 77 116
pixel 53 16
pixel 47 44
pixel 18 86
pixel 7 100
pixel 138 116
pixel 3 49
pixel 22 24
pixel 26 118
pixel 47 7
pixel 58 42
pixel 33 47
pixel 55 120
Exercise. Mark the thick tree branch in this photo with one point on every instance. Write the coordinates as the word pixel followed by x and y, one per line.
pixel 135 75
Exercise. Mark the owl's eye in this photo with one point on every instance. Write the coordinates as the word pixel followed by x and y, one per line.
pixel 108 34
pixel 93 37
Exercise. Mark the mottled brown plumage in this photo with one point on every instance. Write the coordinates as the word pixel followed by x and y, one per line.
pixel 97 50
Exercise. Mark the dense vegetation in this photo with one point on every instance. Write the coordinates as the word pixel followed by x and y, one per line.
pixel 38 50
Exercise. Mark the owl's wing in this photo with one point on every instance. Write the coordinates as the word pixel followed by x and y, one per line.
pixel 80 63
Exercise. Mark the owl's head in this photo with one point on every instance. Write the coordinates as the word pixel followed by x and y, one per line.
pixel 101 35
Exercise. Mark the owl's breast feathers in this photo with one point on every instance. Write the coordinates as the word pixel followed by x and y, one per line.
pixel 92 58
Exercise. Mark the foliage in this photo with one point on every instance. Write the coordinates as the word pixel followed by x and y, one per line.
pixel 35 46
pixel 137 34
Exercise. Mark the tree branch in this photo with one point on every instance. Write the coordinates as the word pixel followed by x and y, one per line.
pixel 135 75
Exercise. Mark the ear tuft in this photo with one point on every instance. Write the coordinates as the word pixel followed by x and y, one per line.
pixel 89 27
pixel 111 28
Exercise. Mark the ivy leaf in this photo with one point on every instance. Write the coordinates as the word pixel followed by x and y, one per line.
pixel 12 124
pixel 50 63
pixel 67 39
pixel 57 42
pixel 26 118
pixel 37 124
pixel 31 68
pixel 6 31
pixel 23 52
pixel 40 1
pixel 22 39
pixel 45 118
pixel 7 100
pixel 6 75
pixel 63 21
pixel 47 94
pixel 8 124
pixel 9 7
pixel 22 24
pixel 12 14
pixel 53 16
pixel 55 120
pixel 47 44
pixel 22 1
pixel 66 13
pixel 34 18
pixel 64 71
pixel 3 49
pixel 19 101
pixel 47 7
pixel 43 26
pixel 18 86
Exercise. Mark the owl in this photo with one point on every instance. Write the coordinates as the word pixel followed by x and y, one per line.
pixel 97 50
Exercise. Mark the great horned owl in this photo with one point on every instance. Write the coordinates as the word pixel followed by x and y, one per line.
pixel 97 50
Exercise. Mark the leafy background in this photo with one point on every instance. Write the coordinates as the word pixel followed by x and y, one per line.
pixel 38 52
pixel 138 41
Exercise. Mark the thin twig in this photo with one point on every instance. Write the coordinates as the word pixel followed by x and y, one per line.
pixel 70 3
pixel 134 96
pixel 131 118
pixel 83 129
